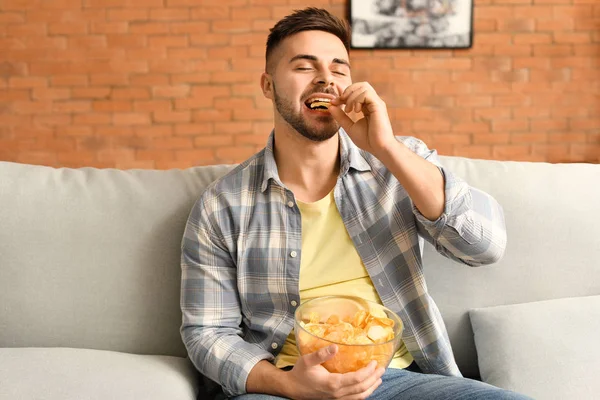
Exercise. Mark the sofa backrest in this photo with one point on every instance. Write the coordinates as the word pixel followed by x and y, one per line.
pixel 552 213
pixel 89 258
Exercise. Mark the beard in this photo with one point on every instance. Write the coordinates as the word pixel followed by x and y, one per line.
pixel 295 119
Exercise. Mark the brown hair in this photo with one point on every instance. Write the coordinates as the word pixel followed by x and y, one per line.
pixel 308 19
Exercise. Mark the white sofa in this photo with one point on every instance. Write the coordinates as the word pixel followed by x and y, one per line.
pixel 90 279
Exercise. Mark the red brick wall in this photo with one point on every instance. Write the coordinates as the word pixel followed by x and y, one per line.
pixel 175 83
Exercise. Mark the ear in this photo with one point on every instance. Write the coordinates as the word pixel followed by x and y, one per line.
pixel 266 84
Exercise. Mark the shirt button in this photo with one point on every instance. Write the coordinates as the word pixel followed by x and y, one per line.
pixel 273 345
pixel 290 204
pixel 293 303
pixel 293 254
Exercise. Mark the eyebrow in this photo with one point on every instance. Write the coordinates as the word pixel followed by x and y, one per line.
pixel 314 58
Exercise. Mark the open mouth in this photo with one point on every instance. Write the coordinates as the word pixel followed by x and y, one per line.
pixel 318 104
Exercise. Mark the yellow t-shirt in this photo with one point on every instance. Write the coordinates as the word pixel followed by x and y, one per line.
pixel 330 265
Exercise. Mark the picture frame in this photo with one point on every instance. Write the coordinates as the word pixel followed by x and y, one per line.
pixel 411 24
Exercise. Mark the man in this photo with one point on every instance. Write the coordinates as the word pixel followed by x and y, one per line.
pixel 329 206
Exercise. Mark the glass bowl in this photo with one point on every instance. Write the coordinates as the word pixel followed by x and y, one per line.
pixel 362 330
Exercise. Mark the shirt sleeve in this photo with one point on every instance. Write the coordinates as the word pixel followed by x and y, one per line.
pixel 471 228
pixel 211 325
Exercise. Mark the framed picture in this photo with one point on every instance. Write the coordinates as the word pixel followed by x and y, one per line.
pixel 411 24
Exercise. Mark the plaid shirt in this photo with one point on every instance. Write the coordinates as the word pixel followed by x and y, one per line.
pixel 241 256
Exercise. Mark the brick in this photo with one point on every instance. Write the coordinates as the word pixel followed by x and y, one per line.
pixel 79 106
pixel 532 38
pixel 44 93
pixel 194 27
pixel 514 99
pixel 485 25
pixel 511 151
pixel 232 77
pixel 114 131
pixel 492 88
pixel 534 137
pixel 592 50
pixel 147 53
pixel 167 116
pixel 531 113
pixel 552 50
pixel 170 14
pixel 222 26
pixel 26 29
pixel 172 91
pixel 252 13
pixel 474 101
pixel 495 12
pixel 174 67
pixel 76 131
pixel 552 152
pixel 517 24
pixel 12 17
pixel 172 143
pixel 153 131
pixel 521 75
pixel 233 127
pixel 112 106
pixel 210 39
pixel 513 50
pixel 109 79
pixel 190 78
pixel 197 54
pixel 210 13
pixel 570 112
pixel 572 37
pixel 194 129
pixel 69 80
pixel 68 28
pixel 128 14
pixel 168 41
pixel 195 156
pixel 152 105
pixel 561 75
pixel 130 93
pixel 109 27
pixel 216 141
pixel 150 28
pixel 431 126
pixel 92 119
pixel 490 114
pixel 560 24
pixel 149 80
pixel 251 114
pixel 510 125
pixel 126 41
pixel 531 62
pixel 234 154
pixel 131 119
pixel 228 52
pixel 27 82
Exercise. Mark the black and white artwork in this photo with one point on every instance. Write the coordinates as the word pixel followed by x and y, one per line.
pixel 443 24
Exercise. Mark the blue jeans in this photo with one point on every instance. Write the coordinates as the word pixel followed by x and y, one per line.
pixel 402 384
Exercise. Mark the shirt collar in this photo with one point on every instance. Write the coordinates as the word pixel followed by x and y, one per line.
pixel 350 157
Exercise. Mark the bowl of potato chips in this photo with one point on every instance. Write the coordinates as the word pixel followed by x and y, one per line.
pixel 362 330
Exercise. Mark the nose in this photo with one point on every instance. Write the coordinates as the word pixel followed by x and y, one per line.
pixel 324 77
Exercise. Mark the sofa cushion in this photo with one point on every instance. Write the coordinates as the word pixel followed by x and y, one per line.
pixel 547 349
pixel 551 213
pixel 65 373
pixel 89 258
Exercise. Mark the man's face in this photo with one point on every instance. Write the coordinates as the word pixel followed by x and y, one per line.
pixel 307 66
